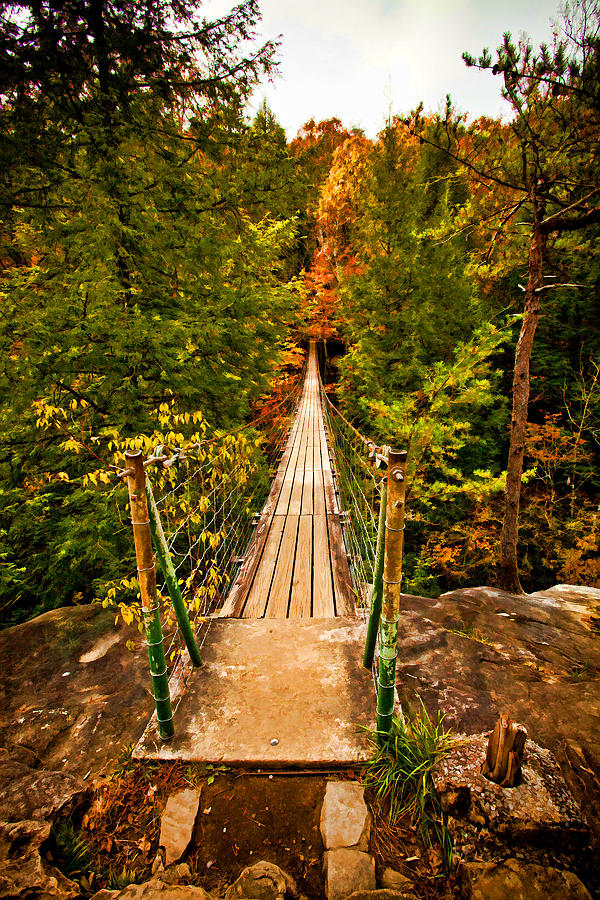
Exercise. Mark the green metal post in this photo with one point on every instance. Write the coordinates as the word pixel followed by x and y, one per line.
pixel 170 576
pixel 377 592
pixel 392 576
pixel 140 520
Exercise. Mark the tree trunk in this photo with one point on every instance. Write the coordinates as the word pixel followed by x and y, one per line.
pixel 509 572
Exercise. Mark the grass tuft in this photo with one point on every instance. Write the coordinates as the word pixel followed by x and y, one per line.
pixel 399 773
pixel 75 858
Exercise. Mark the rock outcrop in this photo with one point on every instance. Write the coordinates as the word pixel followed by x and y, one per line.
pixel 72 693
pixel 24 871
pixel 478 652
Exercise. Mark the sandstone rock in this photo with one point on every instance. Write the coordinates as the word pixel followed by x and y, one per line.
pixel 155 889
pixel 536 657
pixel 347 870
pixel 262 881
pixel 382 894
pixel 23 871
pixel 396 880
pixel 56 699
pixel 30 793
pixel 176 874
pixel 177 823
pixel 539 810
pixel 513 878
pixel 345 819
pixel 158 864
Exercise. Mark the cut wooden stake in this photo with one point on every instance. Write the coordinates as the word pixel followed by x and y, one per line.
pixel 504 755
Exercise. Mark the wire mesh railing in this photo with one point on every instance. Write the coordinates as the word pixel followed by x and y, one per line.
pixel 202 506
pixel 359 486
pixel 373 512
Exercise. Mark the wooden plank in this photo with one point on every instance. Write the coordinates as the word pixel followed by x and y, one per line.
pixel 279 595
pixel 236 597
pixel 300 603
pixel 259 593
pixel 318 493
pixel 345 604
pixel 288 481
pixel 297 487
pixel 323 605
pixel 307 490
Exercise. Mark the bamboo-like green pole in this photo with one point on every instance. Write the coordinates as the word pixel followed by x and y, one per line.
pixel 140 520
pixel 377 592
pixel 392 575
pixel 170 576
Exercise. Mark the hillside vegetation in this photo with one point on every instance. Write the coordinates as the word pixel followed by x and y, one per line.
pixel 163 257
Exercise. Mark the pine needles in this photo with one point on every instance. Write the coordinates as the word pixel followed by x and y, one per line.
pixel 400 775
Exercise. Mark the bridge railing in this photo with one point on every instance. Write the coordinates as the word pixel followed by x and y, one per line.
pixel 371 485
pixel 194 510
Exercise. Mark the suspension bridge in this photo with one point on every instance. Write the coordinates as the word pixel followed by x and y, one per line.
pixel 276 593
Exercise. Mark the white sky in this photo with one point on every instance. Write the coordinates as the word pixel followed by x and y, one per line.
pixel 357 59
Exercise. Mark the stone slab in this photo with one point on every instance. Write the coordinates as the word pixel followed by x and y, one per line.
pixel 345 819
pixel 177 823
pixel 347 871
pixel 274 693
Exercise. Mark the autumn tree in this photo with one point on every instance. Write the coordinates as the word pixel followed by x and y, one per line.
pixel 544 177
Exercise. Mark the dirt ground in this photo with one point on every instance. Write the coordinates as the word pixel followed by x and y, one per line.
pixel 245 818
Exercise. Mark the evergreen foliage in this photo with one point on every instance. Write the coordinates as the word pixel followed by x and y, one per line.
pixel 155 244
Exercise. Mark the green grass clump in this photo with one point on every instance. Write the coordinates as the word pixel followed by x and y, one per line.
pixel 75 859
pixel 399 773
pixel 119 880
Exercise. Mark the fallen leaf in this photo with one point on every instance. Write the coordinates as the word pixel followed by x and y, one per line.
pixel 144 845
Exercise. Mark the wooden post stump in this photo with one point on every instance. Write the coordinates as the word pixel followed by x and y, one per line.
pixel 505 752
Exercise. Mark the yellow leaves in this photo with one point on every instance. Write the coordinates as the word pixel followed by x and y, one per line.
pixel 100 476
pixel 126 614
pixel 71 445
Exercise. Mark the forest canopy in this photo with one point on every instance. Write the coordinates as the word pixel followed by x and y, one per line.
pixel 162 252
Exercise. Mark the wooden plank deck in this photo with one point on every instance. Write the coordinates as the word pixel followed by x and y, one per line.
pixel 296 565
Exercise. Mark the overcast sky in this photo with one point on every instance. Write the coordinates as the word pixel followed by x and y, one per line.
pixel 357 59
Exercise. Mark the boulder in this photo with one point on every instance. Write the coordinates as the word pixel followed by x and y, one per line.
pixel 396 880
pixel 347 871
pixel 24 873
pixel 262 881
pixel 476 652
pixel 155 888
pixel 514 878
pixel 382 894
pixel 31 793
pixel 538 811
pixel 345 819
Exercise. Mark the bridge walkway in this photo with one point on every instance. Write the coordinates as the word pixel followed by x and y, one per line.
pixel 296 566
pixel 282 682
